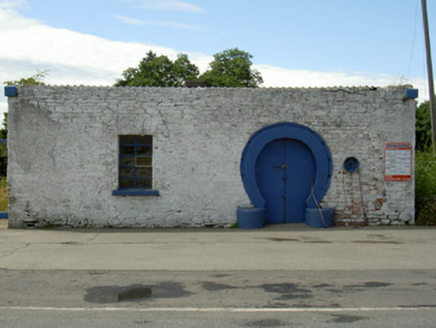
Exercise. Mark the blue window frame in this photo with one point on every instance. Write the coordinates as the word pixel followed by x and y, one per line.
pixel 135 162
pixel 135 167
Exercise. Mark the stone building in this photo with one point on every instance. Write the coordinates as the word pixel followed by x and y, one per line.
pixel 189 157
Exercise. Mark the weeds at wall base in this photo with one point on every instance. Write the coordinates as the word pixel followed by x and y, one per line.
pixel 3 195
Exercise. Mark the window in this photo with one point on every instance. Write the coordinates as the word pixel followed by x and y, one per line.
pixel 135 170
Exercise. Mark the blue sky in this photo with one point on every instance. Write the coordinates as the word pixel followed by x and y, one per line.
pixel 310 43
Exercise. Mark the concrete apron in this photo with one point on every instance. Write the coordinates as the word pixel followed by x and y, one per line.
pixel 285 247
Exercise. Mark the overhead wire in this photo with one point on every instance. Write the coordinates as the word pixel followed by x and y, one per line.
pixel 414 39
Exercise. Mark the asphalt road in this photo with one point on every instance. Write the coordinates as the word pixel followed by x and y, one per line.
pixel 275 277
pixel 356 319
pixel 381 298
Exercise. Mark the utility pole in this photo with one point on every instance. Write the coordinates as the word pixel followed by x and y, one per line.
pixel 429 73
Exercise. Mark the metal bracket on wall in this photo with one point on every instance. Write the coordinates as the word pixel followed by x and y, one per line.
pixel 11 91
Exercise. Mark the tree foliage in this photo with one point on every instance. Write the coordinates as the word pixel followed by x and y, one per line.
pixel 33 80
pixel 3 158
pixel 423 127
pixel 425 188
pixel 232 68
pixel 4 130
pixel 425 168
pixel 159 71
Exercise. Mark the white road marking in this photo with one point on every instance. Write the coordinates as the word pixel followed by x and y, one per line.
pixel 215 310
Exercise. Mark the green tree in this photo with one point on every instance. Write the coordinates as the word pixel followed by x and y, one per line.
pixel 159 71
pixel 232 68
pixel 33 80
pixel 3 160
pixel 425 168
pixel 425 188
pixel 185 70
pixel 4 130
pixel 423 127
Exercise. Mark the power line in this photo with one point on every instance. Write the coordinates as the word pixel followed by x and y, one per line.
pixel 414 38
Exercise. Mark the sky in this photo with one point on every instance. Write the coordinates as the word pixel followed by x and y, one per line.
pixel 310 43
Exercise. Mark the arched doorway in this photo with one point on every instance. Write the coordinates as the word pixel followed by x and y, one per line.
pixel 285 167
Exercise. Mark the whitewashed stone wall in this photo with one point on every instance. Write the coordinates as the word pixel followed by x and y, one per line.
pixel 63 152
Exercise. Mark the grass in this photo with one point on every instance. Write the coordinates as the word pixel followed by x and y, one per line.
pixel 3 195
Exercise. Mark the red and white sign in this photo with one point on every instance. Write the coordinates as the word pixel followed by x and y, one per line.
pixel 398 161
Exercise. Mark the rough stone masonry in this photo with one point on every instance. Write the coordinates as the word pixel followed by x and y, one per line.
pixel 64 152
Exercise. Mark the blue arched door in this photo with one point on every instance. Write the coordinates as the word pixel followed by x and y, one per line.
pixel 285 173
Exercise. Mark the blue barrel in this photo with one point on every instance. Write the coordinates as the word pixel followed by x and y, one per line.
pixel 250 217
pixel 315 220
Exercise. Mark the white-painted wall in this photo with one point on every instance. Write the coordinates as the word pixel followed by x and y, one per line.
pixel 63 152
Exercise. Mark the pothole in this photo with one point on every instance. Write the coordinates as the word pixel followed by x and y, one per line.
pixel 113 294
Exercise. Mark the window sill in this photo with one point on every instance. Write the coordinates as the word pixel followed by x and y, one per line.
pixel 135 192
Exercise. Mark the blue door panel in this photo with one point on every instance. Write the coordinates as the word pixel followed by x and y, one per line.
pixel 285 172
pixel 300 175
pixel 271 180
